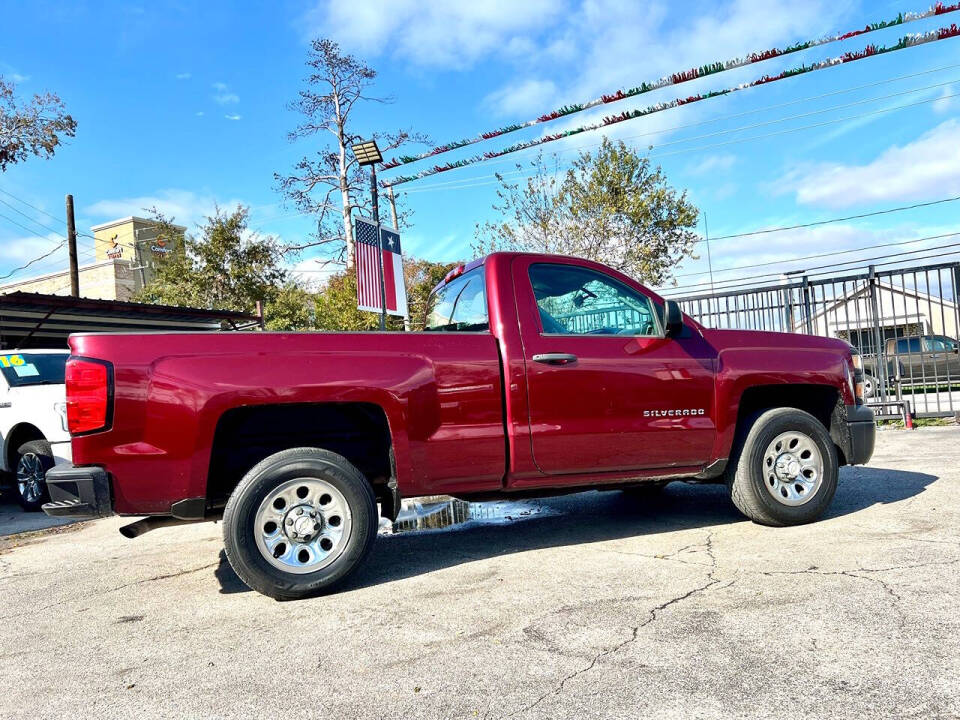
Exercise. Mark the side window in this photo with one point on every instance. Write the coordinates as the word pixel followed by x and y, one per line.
pixel 941 344
pixel 577 301
pixel 908 345
pixel 460 305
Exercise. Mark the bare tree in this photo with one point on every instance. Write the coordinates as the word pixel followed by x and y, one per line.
pixel 35 128
pixel 337 83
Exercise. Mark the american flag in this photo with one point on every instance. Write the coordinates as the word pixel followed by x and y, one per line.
pixel 374 243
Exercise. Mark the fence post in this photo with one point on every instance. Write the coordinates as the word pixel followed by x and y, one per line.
pixel 786 294
pixel 877 335
pixel 807 312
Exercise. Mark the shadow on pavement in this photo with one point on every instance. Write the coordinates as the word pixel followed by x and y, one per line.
pixel 588 517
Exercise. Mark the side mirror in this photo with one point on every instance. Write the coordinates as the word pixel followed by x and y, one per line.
pixel 673 325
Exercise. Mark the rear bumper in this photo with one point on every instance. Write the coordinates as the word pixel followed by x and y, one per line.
pixel 860 436
pixel 80 492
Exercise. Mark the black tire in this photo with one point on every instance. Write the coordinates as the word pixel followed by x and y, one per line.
pixel 239 522
pixel 34 458
pixel 747 476
pixel 869 385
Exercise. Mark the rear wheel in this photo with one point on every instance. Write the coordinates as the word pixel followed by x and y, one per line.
pixel 299 523
pixel 786 470
pixel 34 458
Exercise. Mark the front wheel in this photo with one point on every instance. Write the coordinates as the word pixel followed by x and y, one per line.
pixel 34 458
pixel 786 470
pixel 299 522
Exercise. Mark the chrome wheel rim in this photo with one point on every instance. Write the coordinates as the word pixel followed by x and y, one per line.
pixel 792 468
pixel 30 477
pixel 303 525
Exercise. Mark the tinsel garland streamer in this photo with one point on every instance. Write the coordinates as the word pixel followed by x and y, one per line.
pixel 673 79
pixel 870 51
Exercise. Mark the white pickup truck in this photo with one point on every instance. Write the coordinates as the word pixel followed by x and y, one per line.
pixel 33 430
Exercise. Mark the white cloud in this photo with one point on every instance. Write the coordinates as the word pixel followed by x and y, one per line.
pixel 233 117
pixel 199 113
pixel 18 78
pixel 927 167
pixel 431 32
pixel 223 96
pixel 713 164
pixel 184 207
pixel 947 100
pixel 183 76
pixel 529 96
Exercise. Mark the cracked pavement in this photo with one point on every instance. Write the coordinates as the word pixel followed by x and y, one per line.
pixel 603 608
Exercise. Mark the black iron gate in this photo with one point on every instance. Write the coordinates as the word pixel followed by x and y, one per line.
pixel 904 322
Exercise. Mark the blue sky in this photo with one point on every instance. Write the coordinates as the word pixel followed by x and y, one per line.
pixel 183 105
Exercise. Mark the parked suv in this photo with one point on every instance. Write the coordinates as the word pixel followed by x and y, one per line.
pixel 33 429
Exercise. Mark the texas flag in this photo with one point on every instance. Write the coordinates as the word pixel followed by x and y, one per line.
pixel 372 248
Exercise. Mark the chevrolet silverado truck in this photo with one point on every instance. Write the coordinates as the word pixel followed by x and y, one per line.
pixel 536 375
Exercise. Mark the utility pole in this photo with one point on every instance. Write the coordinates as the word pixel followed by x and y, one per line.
pixel 706 235
pixel 396 226
pixel 393 208
pixel 72 245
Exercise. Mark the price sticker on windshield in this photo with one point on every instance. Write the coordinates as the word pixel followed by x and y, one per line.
pixel 11 360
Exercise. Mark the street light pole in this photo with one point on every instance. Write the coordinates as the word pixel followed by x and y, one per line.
pixel 367 153
pixel 375 205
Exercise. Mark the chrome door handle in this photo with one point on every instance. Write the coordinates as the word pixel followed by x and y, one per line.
pixel 555 358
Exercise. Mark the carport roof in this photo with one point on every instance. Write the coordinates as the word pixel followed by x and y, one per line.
pixel 34 320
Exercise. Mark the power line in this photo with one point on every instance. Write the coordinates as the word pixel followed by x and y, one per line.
pixel 841 219
pixel 39 210
pixel 808 257
pixel 466 184
pixel 696 73
pixel 29 217
pixel 25 266
pixel 726 284
pixel 767 108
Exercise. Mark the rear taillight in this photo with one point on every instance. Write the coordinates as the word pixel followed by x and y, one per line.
pixel 88 395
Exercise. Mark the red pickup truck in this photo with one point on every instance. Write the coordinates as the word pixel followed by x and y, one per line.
pixel 536 374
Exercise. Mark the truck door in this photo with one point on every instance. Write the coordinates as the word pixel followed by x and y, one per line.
pixel 607 391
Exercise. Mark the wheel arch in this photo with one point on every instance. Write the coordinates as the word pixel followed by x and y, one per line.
pixel 359 431
pixel 823 402
pixel 19 434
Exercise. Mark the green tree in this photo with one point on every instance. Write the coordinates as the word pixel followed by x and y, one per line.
pixel 224 267
pixel 336 303
pixel 611 207
pixel 34 128
pixel 422 276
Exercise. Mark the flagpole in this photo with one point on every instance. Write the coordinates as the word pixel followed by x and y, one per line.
pixel 376 220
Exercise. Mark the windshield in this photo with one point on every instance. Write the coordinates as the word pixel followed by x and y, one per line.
pixel 22 369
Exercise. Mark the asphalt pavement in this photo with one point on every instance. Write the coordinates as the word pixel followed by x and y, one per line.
pixel 588 606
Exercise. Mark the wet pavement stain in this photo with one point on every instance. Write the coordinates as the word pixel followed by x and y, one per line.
pixel 442 513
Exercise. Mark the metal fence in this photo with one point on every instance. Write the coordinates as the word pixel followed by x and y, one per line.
pixel 904 322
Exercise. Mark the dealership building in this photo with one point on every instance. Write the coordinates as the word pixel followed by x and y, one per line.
pixel 126 255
